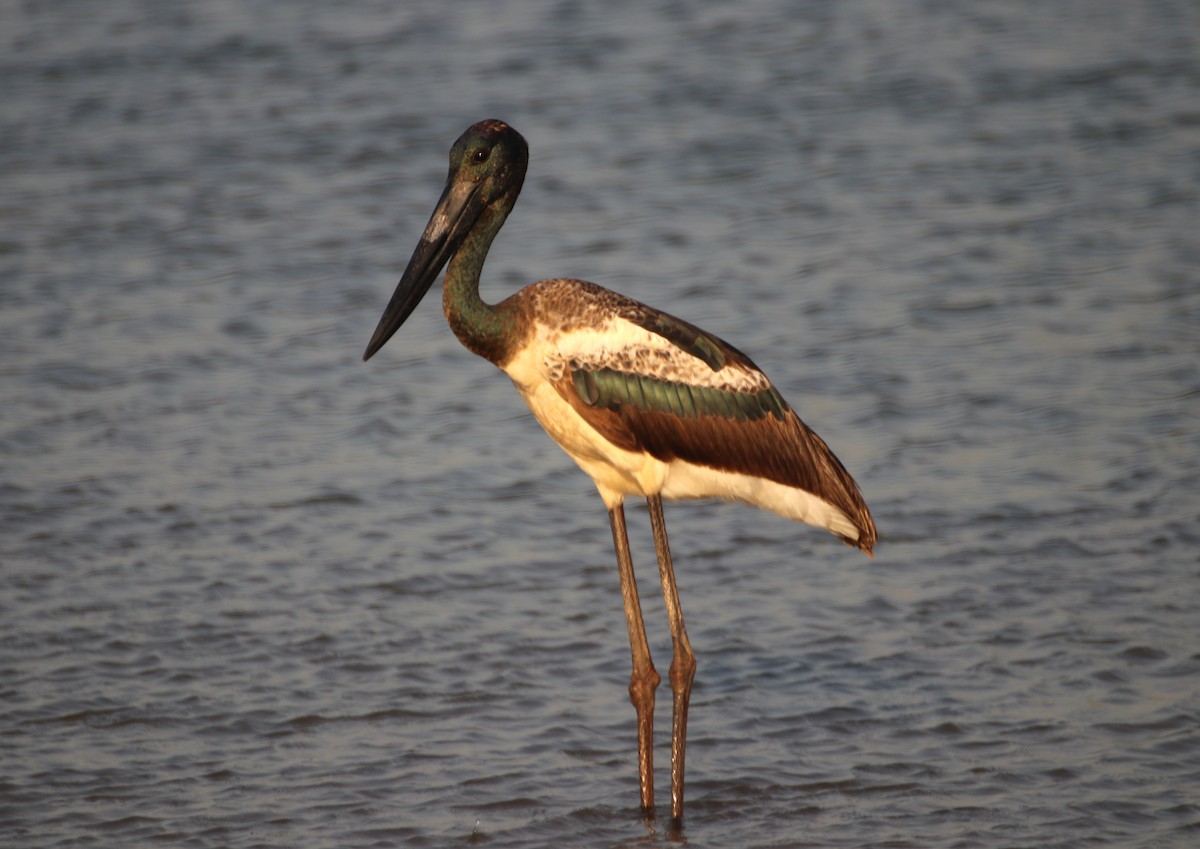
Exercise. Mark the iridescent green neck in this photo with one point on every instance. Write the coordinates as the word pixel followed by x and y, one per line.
pixel 481 327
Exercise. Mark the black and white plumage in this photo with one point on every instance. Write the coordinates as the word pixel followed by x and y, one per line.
pixel 647 404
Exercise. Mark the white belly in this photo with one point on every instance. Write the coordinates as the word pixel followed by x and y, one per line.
pixel 617 473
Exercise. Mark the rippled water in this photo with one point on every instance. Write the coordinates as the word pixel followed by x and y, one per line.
pixel 256 593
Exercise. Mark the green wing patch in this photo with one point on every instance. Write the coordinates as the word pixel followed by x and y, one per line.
pixel 610 389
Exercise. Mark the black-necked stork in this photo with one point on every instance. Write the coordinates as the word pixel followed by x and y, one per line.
pixel 645 403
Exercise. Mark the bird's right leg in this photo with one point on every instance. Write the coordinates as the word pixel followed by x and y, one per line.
pixel 683 663
pixel 644 680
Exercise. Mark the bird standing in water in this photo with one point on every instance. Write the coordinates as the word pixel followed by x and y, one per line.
pixel 648 405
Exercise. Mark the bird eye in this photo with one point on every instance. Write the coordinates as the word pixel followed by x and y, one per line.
pixel 482 154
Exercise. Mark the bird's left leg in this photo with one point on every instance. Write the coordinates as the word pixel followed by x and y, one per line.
pixel 644 679
pixel 683 660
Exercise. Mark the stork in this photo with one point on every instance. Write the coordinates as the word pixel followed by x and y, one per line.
pixel 647 404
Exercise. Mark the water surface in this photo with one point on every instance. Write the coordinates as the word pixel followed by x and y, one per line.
pixel 256 593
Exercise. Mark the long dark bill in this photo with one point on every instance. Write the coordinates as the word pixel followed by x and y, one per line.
pixel 455 214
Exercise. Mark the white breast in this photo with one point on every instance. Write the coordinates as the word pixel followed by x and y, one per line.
pixel 618 473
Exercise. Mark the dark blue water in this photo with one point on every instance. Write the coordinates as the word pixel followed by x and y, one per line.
pixel 255 593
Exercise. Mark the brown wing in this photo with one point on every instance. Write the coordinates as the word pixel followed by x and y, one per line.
pixel 748 432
